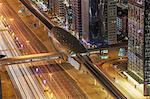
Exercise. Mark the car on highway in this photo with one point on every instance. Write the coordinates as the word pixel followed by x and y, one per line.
pixel 121 73
pixel 46 89
pixel 18 43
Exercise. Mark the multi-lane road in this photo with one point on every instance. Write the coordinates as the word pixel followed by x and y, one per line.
pixel 100 76
pixel 16 71
pixel 33 80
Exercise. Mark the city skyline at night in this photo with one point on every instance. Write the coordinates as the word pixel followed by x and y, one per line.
pixel 74 49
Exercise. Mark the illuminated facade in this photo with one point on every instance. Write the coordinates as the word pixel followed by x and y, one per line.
pixel 93 20
pixel 122 22
pixel 77 20
pixel 60 8
pixel 139 41
pixel 110 27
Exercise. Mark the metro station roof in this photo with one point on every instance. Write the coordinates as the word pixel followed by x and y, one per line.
pixel 68 40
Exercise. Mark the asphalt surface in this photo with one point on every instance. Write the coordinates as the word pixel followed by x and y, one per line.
pixel 101 77
pixel 109 85
pixel 25 80
pixel 67 39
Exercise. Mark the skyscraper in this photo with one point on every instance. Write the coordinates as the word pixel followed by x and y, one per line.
pixel 93 20
pixel 60 8
pixel 56 7
pixel 121 21
pixel 77 20
pixel 111 14
pixel 139 42
pixel 99 21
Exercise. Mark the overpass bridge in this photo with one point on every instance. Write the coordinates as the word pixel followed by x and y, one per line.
pixel 52 57
pixel 5 29
pixel 76 46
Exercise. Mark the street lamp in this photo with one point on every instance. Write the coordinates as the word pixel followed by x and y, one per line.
pixel 13 34
pixel 50 74
pixel 11 19
pixel 28 42
pixel 2 17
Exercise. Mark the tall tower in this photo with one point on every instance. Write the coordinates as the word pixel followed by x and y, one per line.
pixel 139 42
pixel 111 15
pixel 85 19
pixel 99 21
pixel 122 22
pixel 77 20
pixel 60 8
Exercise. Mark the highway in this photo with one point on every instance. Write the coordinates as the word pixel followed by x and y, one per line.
pixel 60 34
pixel 62 85
pixel 30 80
pixel 21 30
pixel 100 76
pixel 17 71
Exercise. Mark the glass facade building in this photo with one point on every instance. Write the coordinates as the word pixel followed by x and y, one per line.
pixel 95 22
pixel 139 41
pixel 101 21
pixel 122 22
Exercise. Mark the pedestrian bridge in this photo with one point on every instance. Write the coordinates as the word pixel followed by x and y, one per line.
pixel 51 57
